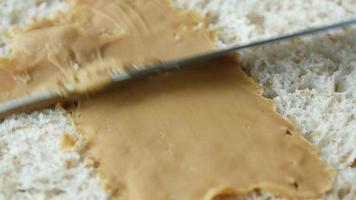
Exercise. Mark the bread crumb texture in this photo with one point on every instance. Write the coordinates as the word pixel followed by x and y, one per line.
pixel 312 81
pixel 241 21
pixel 32 166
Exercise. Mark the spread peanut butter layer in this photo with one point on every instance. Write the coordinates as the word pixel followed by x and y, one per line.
pixel 197 134
pixel 187 135
pixel 79 50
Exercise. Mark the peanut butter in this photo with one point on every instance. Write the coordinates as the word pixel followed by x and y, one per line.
pixel 197 134
pixel 187 135
pixel 78 52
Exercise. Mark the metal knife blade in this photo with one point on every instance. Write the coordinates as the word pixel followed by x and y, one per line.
pixel 30 103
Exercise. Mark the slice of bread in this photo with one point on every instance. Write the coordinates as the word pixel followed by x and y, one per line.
pixel 312 81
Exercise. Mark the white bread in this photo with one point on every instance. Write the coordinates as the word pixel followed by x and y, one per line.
pixel 241 21
pixel 32 166
pixel 300 77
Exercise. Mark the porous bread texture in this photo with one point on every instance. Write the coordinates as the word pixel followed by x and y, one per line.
pixel 313 83
pixel 33 166
pixel 311 80
pixel 20 12
pixel 241 21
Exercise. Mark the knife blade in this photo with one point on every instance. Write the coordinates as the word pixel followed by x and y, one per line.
pixel 46 99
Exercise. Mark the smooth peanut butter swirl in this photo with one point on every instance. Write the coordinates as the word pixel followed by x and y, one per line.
pixel 78 51
pixel 188 135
